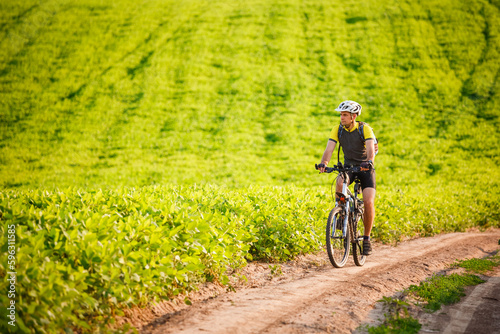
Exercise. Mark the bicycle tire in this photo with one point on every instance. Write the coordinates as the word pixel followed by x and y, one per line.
pixel 337 246
pixel 357 246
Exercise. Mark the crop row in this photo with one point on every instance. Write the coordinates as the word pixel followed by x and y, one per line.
pixel 83 256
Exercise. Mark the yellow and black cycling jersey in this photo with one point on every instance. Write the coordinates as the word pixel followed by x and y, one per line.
pixel 352 144
pixel 368 131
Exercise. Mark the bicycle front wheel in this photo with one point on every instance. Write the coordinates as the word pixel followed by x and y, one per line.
pixel 337 244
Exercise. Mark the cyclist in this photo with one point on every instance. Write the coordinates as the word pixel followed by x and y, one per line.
pixel 358 151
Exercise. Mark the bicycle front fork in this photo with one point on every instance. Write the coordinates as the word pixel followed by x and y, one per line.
pixel 345 222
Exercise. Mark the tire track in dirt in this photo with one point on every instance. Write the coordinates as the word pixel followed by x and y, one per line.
pixel 330 300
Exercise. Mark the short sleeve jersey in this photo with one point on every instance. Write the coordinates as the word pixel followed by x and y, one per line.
pixel 352 145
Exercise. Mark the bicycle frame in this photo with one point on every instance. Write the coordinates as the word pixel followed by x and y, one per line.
pixel 348 202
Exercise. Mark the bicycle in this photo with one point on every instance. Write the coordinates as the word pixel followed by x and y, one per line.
pixel 343 221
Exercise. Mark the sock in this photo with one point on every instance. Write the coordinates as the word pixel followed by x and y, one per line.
pixel 366 238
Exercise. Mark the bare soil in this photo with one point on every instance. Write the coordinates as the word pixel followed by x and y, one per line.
pixel 308 295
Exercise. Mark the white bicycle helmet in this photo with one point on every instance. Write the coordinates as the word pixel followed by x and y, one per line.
pixel 349 106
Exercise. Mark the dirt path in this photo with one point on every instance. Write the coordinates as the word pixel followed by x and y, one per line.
pixel 326 299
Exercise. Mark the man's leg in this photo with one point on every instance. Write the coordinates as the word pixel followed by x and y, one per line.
pixel 369 215
pixel 338 187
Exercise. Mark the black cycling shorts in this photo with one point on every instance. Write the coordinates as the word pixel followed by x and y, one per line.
pixel 367 178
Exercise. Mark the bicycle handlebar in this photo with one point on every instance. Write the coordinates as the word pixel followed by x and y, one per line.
pixel 338 168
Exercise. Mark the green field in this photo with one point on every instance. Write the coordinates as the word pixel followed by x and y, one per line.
pixel 222 108
pixel 241 93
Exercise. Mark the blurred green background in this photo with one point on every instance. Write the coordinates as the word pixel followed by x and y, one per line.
pixel 104 94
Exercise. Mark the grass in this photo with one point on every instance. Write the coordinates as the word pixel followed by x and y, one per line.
pixel 431 295
pixel 397 319
pixel 480 266
pixel 443 290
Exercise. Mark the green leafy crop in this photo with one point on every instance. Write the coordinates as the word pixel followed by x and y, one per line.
pixel 239 93
pixel 83 256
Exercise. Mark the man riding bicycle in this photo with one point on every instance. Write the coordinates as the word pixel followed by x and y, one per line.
pixel 359 149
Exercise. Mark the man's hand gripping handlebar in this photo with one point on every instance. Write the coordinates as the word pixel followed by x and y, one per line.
pixel 323 169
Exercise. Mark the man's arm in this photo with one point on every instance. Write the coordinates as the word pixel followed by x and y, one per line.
pixel 327 155
pixel 370 137
pixel 370 153
pixel 370 149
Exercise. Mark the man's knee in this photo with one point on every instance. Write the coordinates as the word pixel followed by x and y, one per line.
pixel 369 196
pixel 369 203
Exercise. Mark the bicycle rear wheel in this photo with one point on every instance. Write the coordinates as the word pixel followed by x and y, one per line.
pixel 337 244
pixel 357 242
